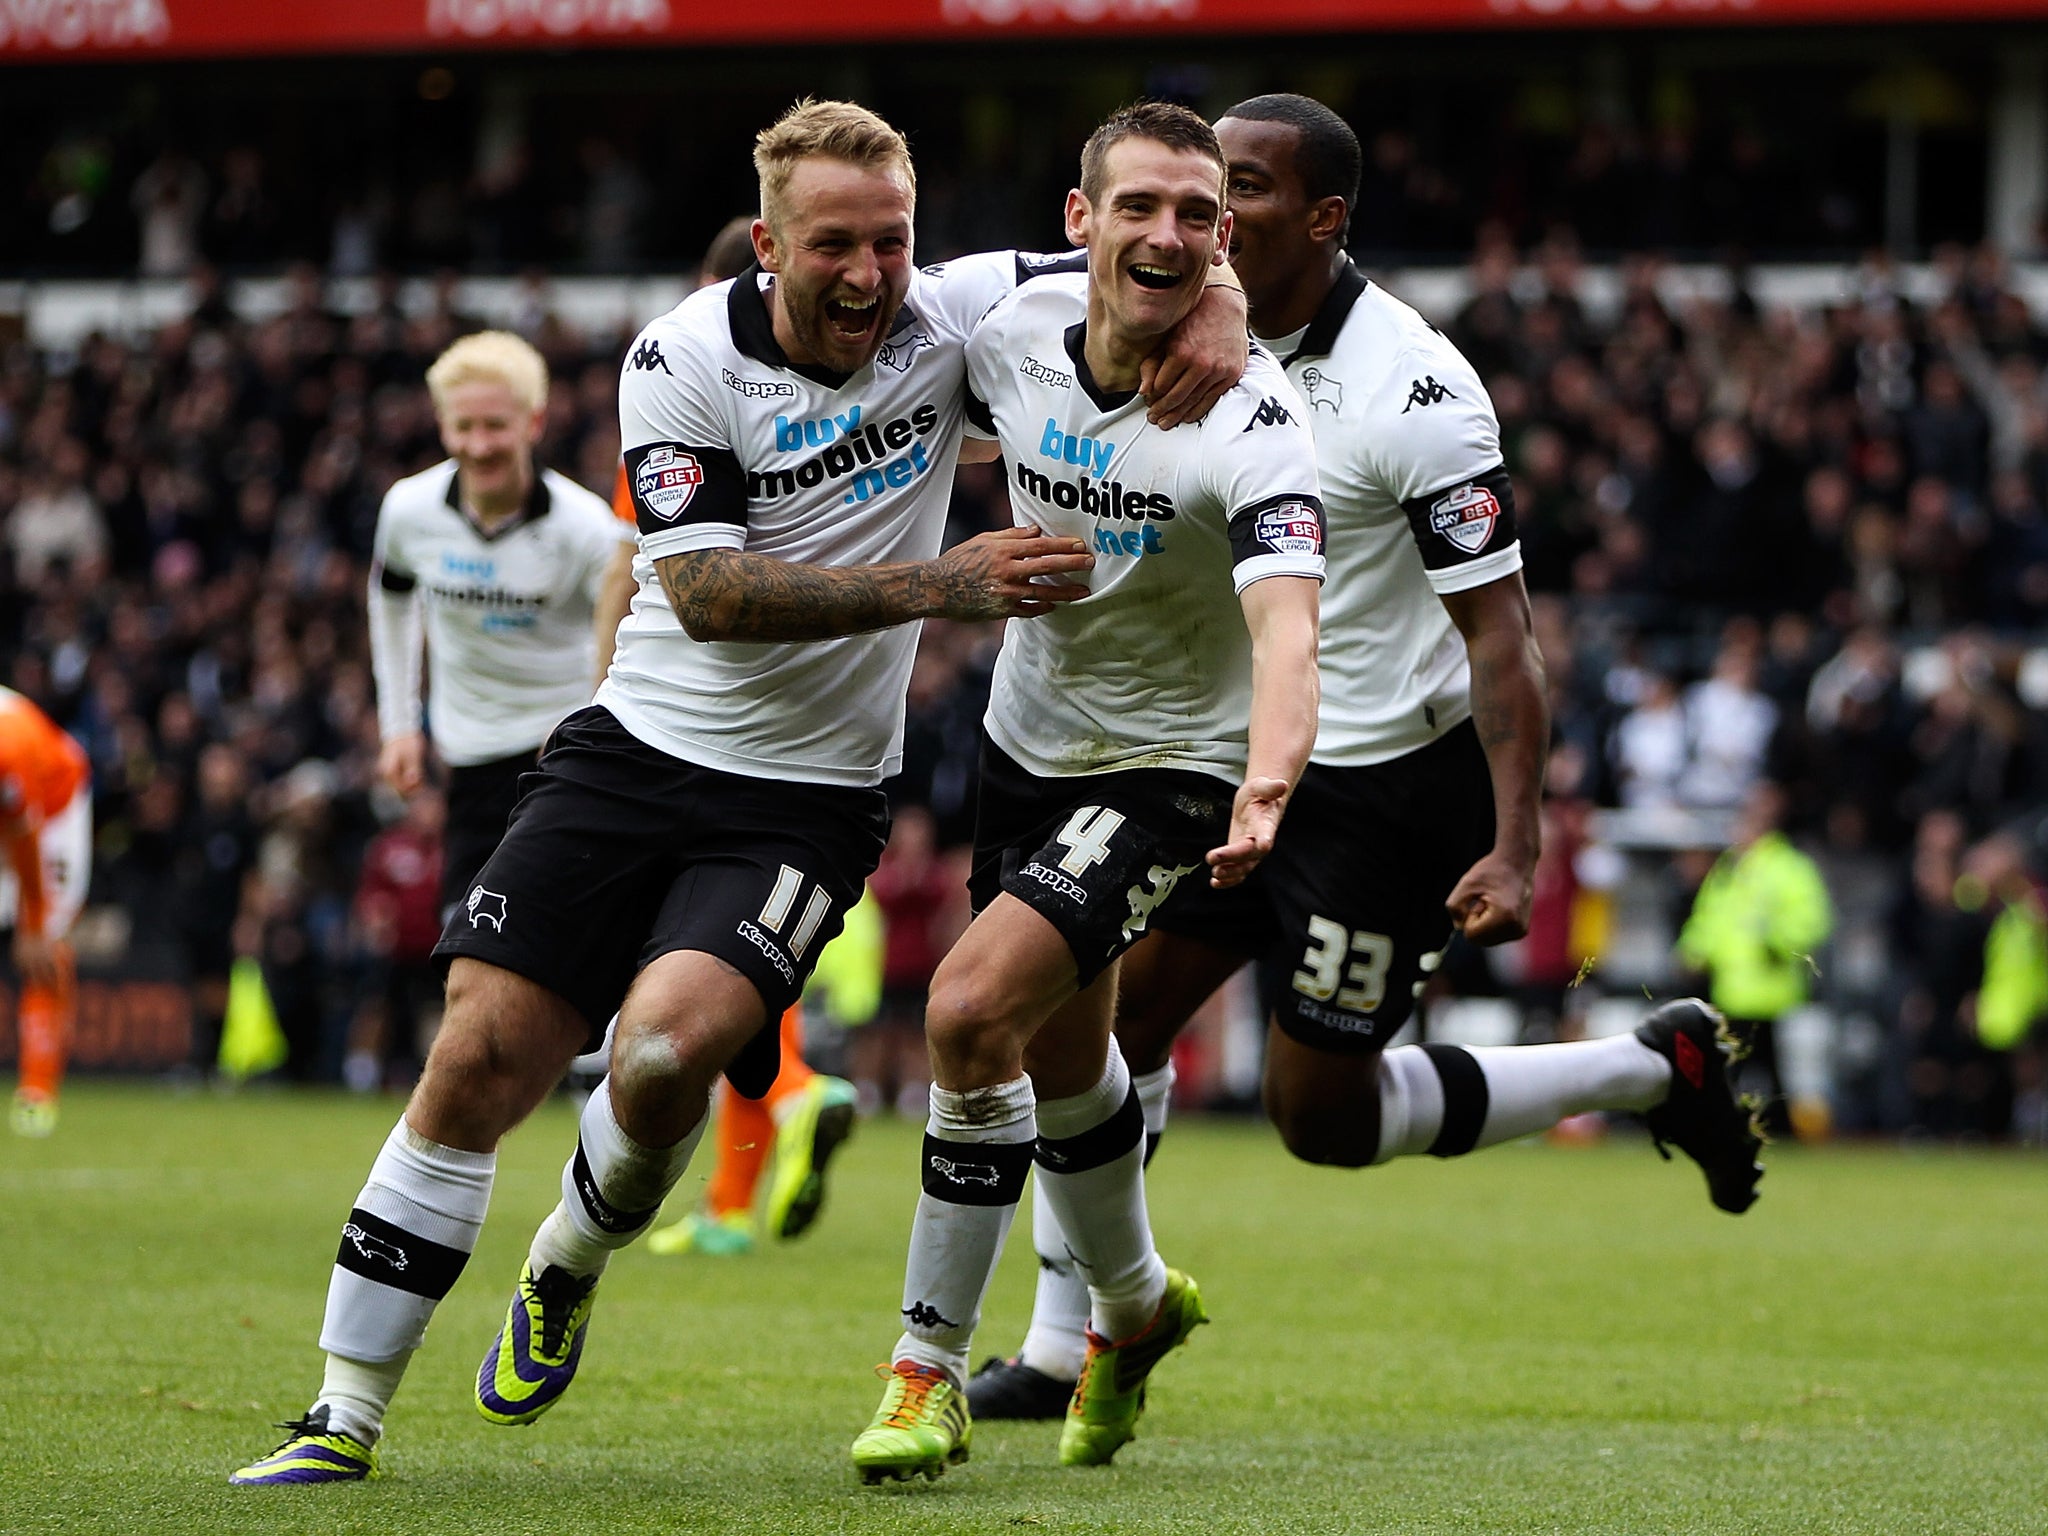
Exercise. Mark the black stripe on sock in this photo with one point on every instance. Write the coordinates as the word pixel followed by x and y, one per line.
pixel 1097 1145
pixel 1465 1100
pixel 601 1210
pixel 1151 1145
pixel 975 1172
pixel 377 1250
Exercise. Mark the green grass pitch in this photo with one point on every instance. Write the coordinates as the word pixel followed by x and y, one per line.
pixel 1529 1340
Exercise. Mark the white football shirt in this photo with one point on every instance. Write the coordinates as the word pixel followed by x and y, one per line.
pixel 1408 451
pixel 507 614
pixel 1153 669
pixel 729 445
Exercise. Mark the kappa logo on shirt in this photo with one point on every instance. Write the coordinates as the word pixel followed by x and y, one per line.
pixel 1032 368
pixel 1425 391
pixel 666 480
pixel 647 357
pixel 1466 517
pixel 1271 413
pixel 755 389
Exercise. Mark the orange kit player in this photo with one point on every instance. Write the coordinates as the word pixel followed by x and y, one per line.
pixel 46 827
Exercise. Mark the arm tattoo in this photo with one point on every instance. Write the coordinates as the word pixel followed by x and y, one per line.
pixel 725 594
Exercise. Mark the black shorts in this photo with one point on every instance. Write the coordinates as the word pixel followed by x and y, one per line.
pixel 480 801
pixel 1096 856
pixel 1357 882
pixel 619 853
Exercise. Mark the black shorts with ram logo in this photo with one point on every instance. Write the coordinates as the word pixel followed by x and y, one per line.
pixel 1097 856
pixel 618 853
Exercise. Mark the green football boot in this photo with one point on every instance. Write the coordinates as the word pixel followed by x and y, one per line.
pixel 818 1124
pixel 1103 1412
pixel 922 1426
pixel 718 1237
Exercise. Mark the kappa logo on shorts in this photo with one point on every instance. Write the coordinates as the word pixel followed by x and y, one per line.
pixel 485 907
pixel 1045 874
pixel 965 1173
pixel 1465 517
pixel 375 1247
pixel 768 947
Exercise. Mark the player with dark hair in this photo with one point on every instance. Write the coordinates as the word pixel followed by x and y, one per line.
pixel 1117 729
pixel 1418 812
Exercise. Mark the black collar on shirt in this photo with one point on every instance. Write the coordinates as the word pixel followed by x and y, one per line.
pixel 753 331
pixel 1077 349
pixel 536 505
pixel 1321 335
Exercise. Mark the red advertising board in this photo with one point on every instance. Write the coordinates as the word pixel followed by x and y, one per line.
pixel 53 29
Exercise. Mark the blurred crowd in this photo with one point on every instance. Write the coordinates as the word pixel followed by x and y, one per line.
pixel 1805 549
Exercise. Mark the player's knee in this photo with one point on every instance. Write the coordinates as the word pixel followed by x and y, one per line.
pixel 1316 1135
pixel 969 1022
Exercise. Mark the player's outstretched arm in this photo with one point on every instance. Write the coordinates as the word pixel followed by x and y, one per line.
pixel 727 594
pixel 1281 613
pixel 1204 355
pixel 1490 905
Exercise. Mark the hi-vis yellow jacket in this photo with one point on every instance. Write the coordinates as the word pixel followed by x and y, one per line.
pixel 1755 924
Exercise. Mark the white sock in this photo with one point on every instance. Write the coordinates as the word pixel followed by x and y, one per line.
pixel 1448 1100
pixel 356 1394
pixel 977 1150
pixel 612 1190
pixel 1091 1172
pixel 411 1231
pixel 1057 1341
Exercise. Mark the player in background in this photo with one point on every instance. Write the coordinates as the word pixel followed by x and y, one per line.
pixel 1418 812
pixel 516 576
pixel 46 830
pixel 1132 738
pixel 697 833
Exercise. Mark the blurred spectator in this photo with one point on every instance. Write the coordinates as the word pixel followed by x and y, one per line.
pixel 1756 924
pixel 917 891
pixel 1728 726
pixel 169 200
pixel 398 920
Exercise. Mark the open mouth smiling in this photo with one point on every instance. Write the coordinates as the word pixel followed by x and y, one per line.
pixel 853 318
pixel 1156 278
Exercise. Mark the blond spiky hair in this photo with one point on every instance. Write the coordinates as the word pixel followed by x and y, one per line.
pixel 497 356
pixel 836 130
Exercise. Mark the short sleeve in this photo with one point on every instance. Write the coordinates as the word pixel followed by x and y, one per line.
pixel 685 482
pixel 1261 457
pixel 984 369
pixel 1466 532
